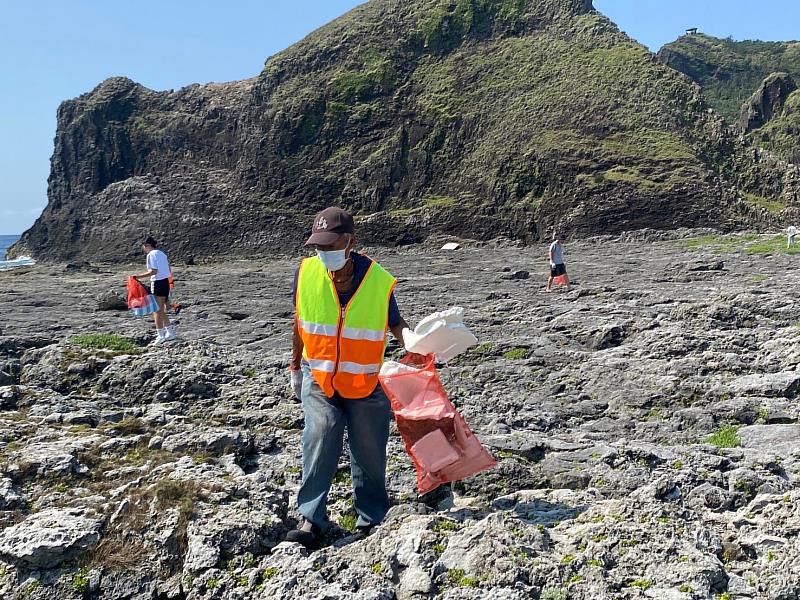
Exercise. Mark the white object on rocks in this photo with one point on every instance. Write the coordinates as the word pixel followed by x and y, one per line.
pixel 451 246
pixel 9 498
pixel 442 333
pixel 50 537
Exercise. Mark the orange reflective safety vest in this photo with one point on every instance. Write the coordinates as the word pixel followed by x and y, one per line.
pixel 344 345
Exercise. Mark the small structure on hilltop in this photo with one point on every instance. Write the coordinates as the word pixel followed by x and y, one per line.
pixel 691 31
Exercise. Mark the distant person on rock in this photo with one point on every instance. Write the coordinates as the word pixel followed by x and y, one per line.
pixel 556 256
pixel 158 270
pixel 791 234
pixel 344 306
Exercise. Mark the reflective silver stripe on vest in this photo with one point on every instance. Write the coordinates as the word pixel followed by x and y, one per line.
pixel 372 335
pixel 317 328
pixel 358 369
pixel 326 366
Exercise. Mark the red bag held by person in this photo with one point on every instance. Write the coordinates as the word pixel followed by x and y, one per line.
pixel 436 437
pixel 140 301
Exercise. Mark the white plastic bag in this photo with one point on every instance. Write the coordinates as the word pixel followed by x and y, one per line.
pixel 442 334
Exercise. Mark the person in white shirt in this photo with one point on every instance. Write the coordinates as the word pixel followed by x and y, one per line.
pixel 791 233
pixel 159 273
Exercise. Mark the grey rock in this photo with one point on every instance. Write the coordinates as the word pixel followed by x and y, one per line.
pixel 111 300
pixel 708 496
pixel 779 440
pixel 50 537
pixel 774 384
pixel 9 496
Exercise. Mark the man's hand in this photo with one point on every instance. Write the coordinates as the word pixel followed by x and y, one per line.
pixel 296 381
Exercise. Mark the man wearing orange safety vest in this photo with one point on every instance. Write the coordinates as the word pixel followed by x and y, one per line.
pixel 344 306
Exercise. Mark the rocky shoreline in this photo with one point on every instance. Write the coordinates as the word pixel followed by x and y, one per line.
pixel 645 424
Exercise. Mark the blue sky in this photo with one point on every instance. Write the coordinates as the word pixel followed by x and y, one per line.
pixel 51 50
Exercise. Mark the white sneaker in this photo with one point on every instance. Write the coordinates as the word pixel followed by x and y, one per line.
pixel 171 336
pixel 159 340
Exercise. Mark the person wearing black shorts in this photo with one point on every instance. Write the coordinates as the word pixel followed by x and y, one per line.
pixel 160 289
pixel 159 273
pixel 556 257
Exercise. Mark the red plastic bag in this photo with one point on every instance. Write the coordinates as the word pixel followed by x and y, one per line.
pixel 436 437
pixel 175 304
pixel 140 301
pixel 560 280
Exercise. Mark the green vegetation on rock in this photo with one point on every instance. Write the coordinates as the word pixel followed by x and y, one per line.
pixel 781 135
pixel 516 353
pixel 748 243
pixel 773 206
pixel 725 437
pixel 106 341
pixel 460 578
pixel 377 76
pixel 730 71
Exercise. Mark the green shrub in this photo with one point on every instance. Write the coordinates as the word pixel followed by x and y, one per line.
pixel 80 582
pixel 348 523
pixel 725 437
pixel 642 584
pixel 553 594
pixel 461 579
pixel 443 525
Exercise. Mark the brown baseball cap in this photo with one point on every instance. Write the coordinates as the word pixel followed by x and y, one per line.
pixel 329 225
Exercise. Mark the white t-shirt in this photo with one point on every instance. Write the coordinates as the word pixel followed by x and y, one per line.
pixel 157 260
pixel 792 231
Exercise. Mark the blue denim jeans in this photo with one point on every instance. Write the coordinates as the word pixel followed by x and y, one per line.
pixel 367 422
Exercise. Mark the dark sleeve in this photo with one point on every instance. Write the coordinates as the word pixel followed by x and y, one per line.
pixel 394 312
pixel 294 286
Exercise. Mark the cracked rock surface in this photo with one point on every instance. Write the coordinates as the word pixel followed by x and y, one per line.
pixel 646 425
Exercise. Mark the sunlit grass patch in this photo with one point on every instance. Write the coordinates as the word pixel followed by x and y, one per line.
pixel 106 341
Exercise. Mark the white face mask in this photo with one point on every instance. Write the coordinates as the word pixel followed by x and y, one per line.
pixel 334 259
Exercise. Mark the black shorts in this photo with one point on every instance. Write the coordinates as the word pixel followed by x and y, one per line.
pixel 160 288
pixel 558 270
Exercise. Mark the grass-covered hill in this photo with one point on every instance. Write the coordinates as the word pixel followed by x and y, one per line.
pixel 476 118
pixel 782 133
pixel 730 71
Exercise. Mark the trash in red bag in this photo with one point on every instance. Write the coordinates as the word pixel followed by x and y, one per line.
pixel 140 301
pixel 436 437
pixel 560 280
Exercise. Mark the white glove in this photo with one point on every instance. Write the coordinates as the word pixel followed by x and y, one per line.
pixel 296 382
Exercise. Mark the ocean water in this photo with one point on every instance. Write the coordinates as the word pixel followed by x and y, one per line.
pixel 5 242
